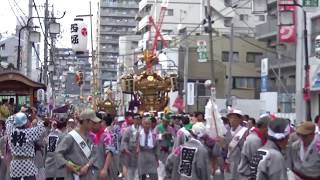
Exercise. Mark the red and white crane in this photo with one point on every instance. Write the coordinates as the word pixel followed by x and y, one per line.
pixel 151 53
pixel 157 26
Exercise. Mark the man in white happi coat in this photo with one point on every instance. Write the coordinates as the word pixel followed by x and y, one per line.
pixel 304 154
pixel 235 139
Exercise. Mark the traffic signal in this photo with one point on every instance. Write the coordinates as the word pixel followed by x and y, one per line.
pixel 205 23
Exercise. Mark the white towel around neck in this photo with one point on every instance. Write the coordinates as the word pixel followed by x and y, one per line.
pixel 143 138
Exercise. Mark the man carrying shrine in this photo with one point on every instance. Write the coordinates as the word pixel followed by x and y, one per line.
pixel 76 151
pixel 21 140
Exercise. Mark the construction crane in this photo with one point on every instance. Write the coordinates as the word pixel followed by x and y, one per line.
pixel 150 55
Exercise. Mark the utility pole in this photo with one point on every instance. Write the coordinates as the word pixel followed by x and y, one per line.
pixel 229 102
pixel 185 74
pixel 303 102
pixel 93 59
pixel 29 44
pixel 209 19
pixel 45 53
pixel 52 54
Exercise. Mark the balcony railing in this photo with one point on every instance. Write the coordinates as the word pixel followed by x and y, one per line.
pixel 116 31
pixel 110 50
pixel 129 5
pixel 129 23
pixel 105 76
pixel 117 14
pixel 144 3
pixel 109 41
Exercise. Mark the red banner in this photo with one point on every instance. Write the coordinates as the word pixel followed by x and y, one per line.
pixel 287 33
pixel 178 103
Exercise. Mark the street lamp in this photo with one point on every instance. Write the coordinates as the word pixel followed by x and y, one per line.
pixel 54 28
pixel 51 68
pixel 35 36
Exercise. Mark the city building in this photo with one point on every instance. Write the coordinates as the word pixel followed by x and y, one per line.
pixel 245 79
pixel 8 51
pixel 191 13
pixel 313 31
pixel 115 18
pixel 66 64
pixel 128 52
pixel 282 61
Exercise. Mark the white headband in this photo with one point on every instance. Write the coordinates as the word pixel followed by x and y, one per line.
pixel 279 136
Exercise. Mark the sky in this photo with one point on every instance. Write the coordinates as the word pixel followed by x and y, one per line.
pixel 72 7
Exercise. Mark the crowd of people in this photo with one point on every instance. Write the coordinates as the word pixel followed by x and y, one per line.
pixel 91 145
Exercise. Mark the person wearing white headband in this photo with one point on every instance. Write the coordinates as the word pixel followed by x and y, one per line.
pixel 191 159
pixel 255 140
pixel 268 162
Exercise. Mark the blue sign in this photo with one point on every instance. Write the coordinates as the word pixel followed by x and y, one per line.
pixel 264 83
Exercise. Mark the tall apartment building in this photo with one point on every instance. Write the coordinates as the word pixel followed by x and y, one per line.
pixel 282 60
pixel 115 18
pixel 65 66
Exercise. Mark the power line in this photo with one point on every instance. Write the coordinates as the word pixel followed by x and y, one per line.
pixel 14 13
pixel 35 7
pixel 37 53
pixel 19 8
pixel 197 27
